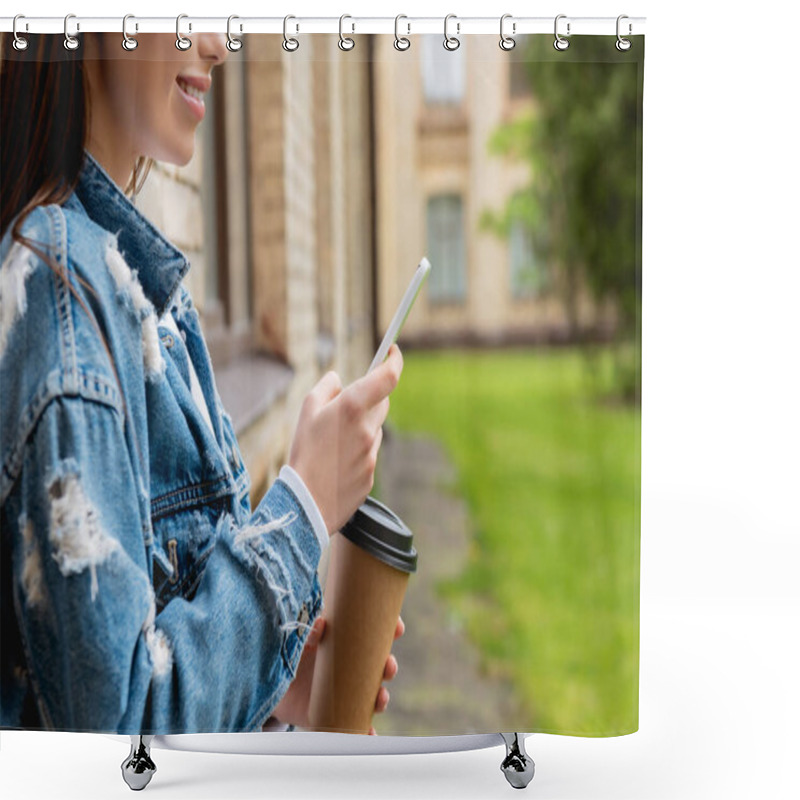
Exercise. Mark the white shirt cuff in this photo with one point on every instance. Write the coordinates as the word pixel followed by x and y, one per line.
pixel 290 477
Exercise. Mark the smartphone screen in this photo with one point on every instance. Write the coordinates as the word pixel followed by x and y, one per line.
pixel 396 325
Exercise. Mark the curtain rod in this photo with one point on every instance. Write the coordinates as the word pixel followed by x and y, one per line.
pixel 406 26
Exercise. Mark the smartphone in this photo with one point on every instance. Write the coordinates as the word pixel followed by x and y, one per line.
pixel 402 312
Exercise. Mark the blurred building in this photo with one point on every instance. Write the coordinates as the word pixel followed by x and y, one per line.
pixel 435 112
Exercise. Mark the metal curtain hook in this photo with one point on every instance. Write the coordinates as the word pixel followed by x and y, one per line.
pixel 128 42
pixel 623 44
pixel 451 42
pixel 182 43
pixel 400 42
pixel 507 42
pixel 20 43
pixel 233 44
pixel 290 44
pixel 561 43
pixel 346 43
pixel 70 42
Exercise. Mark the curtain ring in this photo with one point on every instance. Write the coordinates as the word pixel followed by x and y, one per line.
pixel 290 44
pixel 346 43
pixel 400 42
pixel 182 43
pixel 451 42
pixel 561 43
pixel 128 42
pixel 507 42
pixel 233 44
pixel 623 44
pixel 70 42
pixel 20 43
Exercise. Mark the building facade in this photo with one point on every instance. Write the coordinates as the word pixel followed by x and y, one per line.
pixel 435 113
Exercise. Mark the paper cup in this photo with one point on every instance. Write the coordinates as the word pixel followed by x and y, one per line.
pixel 369 565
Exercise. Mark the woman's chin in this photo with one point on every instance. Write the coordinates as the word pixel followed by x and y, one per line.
pixel 179 154
pixel 184 157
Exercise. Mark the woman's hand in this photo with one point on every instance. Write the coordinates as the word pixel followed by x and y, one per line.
pixel 335 445
pixel 293 707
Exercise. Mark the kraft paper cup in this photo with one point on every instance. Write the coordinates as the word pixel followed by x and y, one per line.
pixel 370 562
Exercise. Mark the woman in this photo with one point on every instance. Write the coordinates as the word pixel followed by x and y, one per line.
pixel 140 593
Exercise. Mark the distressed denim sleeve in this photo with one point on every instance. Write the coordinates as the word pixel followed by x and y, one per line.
pixel 101 658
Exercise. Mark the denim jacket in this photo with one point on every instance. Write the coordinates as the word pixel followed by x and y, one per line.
pixel 139 592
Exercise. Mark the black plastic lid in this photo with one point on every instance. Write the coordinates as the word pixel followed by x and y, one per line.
pixel 378 530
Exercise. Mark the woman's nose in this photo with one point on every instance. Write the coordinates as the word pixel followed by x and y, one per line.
pixel 211 47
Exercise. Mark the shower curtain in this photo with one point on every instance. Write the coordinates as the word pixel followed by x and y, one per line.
pixel 319 177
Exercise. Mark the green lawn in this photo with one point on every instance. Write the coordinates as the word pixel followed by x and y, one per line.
pixel 551 475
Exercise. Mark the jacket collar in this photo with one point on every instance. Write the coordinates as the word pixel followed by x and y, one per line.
pixel 160 266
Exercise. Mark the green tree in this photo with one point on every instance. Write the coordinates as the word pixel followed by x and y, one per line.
pixel 583 142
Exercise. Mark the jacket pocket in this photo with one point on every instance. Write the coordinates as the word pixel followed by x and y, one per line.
pixel 183 542
pixel 162 567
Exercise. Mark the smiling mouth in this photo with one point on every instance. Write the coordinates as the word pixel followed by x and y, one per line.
pixel 192 91
pixel 193 97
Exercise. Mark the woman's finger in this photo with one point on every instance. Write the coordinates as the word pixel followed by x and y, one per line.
pixel 400 629
pixel 377 415
pixel 390 670
pixel 371 388
pixel 316 633
pixel 376 444
pixel 382 700
pixel 326 388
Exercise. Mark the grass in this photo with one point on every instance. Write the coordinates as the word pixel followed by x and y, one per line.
pixel 551 475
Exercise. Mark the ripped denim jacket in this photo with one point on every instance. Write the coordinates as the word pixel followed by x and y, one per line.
pixel 138 591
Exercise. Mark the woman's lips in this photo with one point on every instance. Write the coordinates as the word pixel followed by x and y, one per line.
pixel 191 89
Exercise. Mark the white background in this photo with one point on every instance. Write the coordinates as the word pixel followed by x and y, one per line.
pixel 720 545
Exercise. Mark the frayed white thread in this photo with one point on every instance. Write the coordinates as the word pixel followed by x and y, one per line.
pixel 76 535
pixel 140 301
pixel 252 531
pixel 296 625
pixel 151 611
pixel 297 552
pixel 158 645
pixel 32 565
pixel 279 591
pixel 247 534
pixel 154 363
pixel 13 297
pixel 160 651
pixel 127 280
pixel 276 561
pixel 124 277
pixel 117 265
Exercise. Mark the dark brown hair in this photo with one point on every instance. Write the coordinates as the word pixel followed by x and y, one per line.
pixel 44 128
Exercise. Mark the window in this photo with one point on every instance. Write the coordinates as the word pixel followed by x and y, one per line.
pixel 227 305
pixel 442 71
pixel 447 249
pixel 527 274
